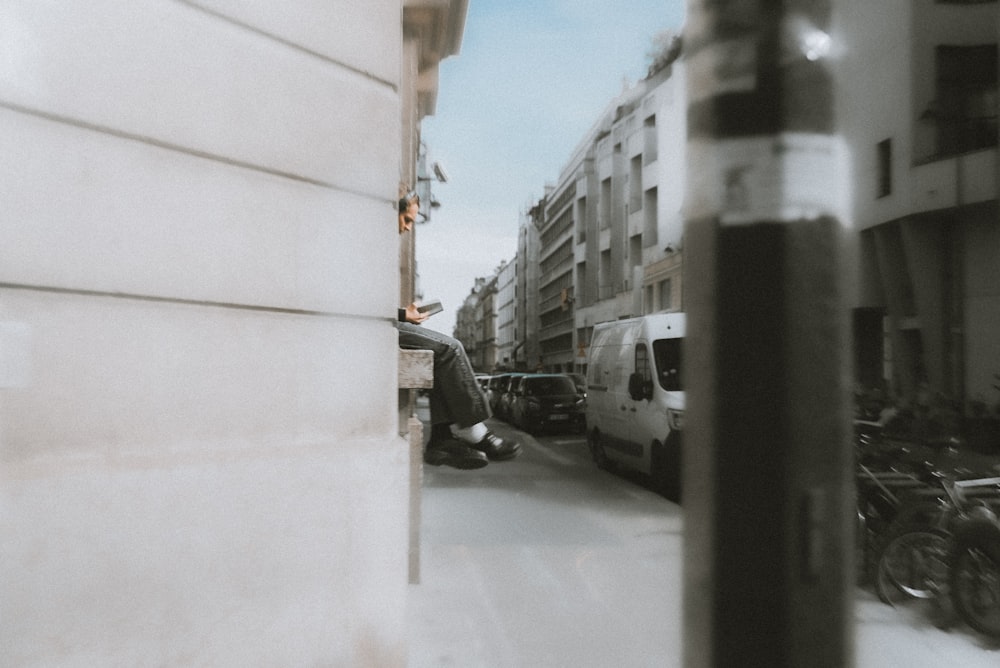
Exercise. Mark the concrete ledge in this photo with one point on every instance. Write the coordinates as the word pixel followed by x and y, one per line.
pixel 416 369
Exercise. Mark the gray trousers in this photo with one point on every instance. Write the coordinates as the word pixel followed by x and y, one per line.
pixel 456 396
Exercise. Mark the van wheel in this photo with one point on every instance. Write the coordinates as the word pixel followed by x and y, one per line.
pixel 665 470
pixel 597 451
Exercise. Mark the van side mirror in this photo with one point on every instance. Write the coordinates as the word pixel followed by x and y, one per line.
pixel 638 388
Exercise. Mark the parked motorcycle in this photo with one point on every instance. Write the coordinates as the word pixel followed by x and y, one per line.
pixel 942 549
pixel 975 571
pixel 886 473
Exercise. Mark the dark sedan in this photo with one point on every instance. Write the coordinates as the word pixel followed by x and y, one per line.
pixel 544 401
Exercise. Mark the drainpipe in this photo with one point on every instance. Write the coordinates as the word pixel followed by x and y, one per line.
pixel 955 279
pixel 768 478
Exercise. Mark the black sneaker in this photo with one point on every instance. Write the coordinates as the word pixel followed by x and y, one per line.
pixel 496 448
pixel 455 454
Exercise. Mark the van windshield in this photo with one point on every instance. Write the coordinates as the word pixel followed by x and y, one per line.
pixel 667 355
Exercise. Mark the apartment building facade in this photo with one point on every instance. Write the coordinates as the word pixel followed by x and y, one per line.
pixel 611 246
pixel 919 115
pixel 556 284
pixel 475 324
pixel 526 350
pixel 466 327
pixel 486 331
pixel 605 242
pixel 506 322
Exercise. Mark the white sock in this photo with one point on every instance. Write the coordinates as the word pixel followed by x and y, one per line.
pixel 473 434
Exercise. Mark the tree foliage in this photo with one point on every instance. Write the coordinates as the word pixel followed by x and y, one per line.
pixel 665 50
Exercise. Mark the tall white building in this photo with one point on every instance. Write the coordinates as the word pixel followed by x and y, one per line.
pixel 506 306
pixel 612 233
pixel 918 107
pixel 606 240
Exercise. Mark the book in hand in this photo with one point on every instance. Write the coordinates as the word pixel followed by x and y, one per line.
pixel 430 307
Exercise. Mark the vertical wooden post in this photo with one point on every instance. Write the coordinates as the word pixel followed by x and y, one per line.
pixel 767 454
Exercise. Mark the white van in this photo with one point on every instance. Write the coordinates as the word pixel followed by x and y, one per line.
pixel 635 401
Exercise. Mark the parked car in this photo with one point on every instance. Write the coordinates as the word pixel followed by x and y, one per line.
pixel 507 395
pixel 580 381
pixel 544 401
pixel 495 389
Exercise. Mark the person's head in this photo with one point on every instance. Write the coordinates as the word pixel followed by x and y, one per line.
pixel 409 207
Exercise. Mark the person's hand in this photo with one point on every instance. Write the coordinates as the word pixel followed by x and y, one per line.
pixel 415 316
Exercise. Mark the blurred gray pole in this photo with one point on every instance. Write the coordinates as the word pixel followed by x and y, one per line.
pixel 768 477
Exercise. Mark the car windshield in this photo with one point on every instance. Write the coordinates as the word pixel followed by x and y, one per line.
pixel 549 385
pixel 667 354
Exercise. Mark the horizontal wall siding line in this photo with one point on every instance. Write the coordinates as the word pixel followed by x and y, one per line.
pixel 159 143
pixel 292 45
pixel 80 292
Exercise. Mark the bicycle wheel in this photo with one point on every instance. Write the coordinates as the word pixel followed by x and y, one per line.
pixel 975 586
pixel 913 564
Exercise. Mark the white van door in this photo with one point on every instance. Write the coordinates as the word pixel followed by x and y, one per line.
pixel 638 407
pixel 620 409
pixel 607 378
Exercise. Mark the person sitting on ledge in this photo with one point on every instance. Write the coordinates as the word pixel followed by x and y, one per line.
pixel 459 438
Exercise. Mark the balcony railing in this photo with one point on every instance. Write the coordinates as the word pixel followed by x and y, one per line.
pixel 556 329
pixel 556 272
pixel 556 301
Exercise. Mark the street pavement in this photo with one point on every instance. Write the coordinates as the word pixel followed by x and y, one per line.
pixel 546 561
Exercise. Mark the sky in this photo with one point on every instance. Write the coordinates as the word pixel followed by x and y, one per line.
pixel 530 80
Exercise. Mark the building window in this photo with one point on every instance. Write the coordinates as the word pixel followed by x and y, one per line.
pixel 964 111
pixel 606 288
pixel 649 150
pixel 635 184
pixel 884 186
pixel 605 211
pixel 665 297
pixel 650 221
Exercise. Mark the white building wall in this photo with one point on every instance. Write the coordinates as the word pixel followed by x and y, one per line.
pixel 526 353
pixel 891 101
pixel 506 304
pixel 671 137
pixel 624 283
pixel 887 64
pixel 197 254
